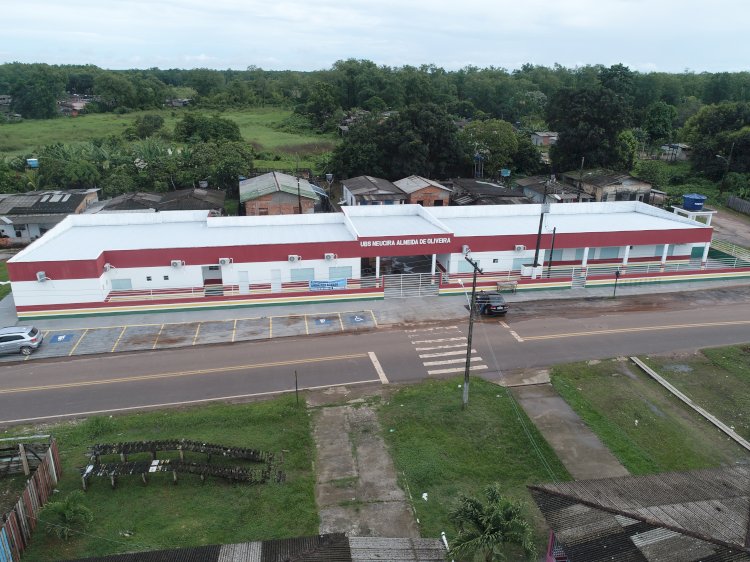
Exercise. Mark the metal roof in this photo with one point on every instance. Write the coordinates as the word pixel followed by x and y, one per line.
pixel 272 182
pixel 415 183
pixel 362 185
pixel 669 517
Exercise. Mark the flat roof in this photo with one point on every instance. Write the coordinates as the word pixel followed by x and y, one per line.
pixel 84 237
pixel 79 237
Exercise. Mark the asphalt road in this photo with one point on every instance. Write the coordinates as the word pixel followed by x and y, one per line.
pixel 529 337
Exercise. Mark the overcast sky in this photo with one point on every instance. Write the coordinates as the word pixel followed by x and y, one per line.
pixel 663 35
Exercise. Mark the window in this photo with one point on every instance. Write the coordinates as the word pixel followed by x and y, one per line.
pixel 466 267
pixel 438 203
pixel 609 253
pixel 122 284
pixel 556 255
pixel 166 278
pixel 518 263
pixel 148 278
pixel 303 274
pixel 344 272
pixel 420 203
pixel 213 268
pixel 262 211
pixel 579 254
pixel 495 260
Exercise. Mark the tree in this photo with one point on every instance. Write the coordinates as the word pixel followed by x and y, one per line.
pixel 488 528
pixel 36 90
pixel 494 140
pixel 144 126
pixel 194 127
pixel 659 121
pixel 114 90
pixel 321 106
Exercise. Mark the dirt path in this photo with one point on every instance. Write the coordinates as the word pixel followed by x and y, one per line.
pixel 356 488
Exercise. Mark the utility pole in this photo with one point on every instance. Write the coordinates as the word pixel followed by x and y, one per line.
pixel 545 209
pixel 726 170
pixel 617 277
pixel 472 309
pixel 299 197
pixel 551 251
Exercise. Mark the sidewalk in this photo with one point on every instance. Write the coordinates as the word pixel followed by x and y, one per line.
pixel 386 312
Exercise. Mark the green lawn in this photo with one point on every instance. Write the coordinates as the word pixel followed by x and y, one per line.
pixel 444 451
pixel 717 379
pixel 4 289
pixel 163 515
pixel 256 125
pixel 610 396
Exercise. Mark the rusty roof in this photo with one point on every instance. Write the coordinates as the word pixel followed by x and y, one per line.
pixel 669 517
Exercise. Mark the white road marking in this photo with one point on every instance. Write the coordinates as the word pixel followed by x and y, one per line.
pixel 445 353
pixel 439 340
pixel 457 370
pixel 432 329
pixel 440 347
pixel 515 335
pixel 449 361
pixel 504 324
pixel 378 367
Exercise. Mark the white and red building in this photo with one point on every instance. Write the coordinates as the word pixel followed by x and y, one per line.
pixel 133 262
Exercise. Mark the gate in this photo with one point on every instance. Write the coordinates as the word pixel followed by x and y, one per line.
pixel 411 285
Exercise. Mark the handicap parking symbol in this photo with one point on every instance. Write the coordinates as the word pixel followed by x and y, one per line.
pixel 322 320
pixel 60 338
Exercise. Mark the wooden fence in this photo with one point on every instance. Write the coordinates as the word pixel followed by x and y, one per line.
pixel 741 205
pixel 17 525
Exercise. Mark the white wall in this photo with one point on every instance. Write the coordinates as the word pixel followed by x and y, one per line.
pixel 27 293
pixel 487 263
pixel 261 272
pixel 186 276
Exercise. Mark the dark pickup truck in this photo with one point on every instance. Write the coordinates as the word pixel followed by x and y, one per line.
pixel 491 303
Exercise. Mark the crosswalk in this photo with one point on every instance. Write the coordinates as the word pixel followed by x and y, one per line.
pixel 442 350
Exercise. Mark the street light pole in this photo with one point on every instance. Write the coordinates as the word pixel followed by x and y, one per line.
pixel 551 251
pixel 472 308
pixel 617 277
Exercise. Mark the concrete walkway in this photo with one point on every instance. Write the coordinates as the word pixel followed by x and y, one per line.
pixel 356 487
pixel 582 453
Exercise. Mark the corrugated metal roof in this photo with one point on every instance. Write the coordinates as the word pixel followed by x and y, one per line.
pixel 361 185
pixel 415 183
pixel 676 516
pixel 272 182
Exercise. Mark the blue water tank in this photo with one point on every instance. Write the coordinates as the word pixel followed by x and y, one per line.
pixel 693 201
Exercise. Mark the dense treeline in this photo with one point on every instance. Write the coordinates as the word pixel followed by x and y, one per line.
pixel 605 116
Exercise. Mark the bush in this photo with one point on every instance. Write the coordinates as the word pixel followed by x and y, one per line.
pixel 67 517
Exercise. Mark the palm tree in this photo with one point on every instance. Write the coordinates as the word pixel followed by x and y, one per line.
pixel 484 528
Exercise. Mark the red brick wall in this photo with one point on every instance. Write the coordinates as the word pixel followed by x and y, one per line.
pixel 288 206
pixel 429 195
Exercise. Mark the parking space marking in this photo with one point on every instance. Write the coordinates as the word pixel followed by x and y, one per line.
pixel 118 339
pixel 270 327
pixel 83 335
pixel 157 336
pixel 374 320
pixel 197 331
pixel 515 335
pixel 234 330
pixel 341 321
pixel 307 328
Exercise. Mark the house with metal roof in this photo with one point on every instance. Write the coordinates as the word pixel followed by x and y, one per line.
pixel 425 192
pixel 276 193
pixel 544 138
pixel 608 185
pixel 369 190
pixel 480 191
pixel 691 516
pixel 26 216
pixel 180 200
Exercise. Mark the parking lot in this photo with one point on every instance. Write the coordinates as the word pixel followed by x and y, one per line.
pixel 137 337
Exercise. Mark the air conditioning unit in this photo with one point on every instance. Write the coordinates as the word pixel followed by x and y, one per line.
pixel 520 248
pixel 225 261
pixel 294 259
pixel 107 266
pixel 177 263
pixel 41 276
pixel 465 249
pixel 329 257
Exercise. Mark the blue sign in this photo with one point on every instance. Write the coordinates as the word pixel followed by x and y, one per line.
pixel 331 285
pixel 505 172
pixel 32 162
pixel 60 338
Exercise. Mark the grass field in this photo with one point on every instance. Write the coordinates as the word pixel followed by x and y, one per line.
pixel 4 289
pixel 163 515
pixel 717 379
pixel 611 395
pixel 444 451
pixel 256 125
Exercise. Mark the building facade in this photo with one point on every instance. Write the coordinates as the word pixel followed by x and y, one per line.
pixel 421 191
pixel 276 193
pixel 106 263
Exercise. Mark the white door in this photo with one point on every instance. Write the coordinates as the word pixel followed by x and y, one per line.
pixel 244 282
pixel 275 280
